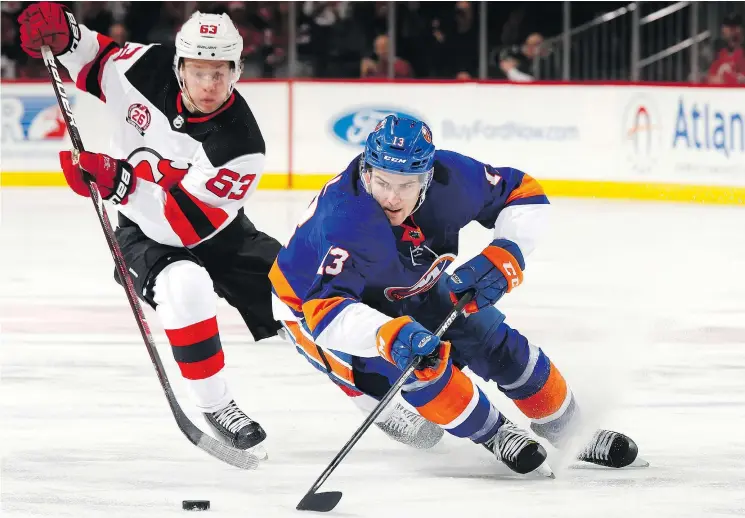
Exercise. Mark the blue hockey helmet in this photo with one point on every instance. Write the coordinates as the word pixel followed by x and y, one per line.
pixel 402 146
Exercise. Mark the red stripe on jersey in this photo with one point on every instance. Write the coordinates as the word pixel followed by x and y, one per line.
pixel 101 69
pixel 193 333
pixel 216 215
pixel 196 120
pixel 225 106
pixel 204 369
pixel 179 222
pixel 103 43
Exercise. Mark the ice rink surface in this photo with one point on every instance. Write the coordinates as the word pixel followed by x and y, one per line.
pixel 641 305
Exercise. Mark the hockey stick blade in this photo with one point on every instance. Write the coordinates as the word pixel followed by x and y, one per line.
pixel 228 454
pixel 325 502
pixel 319 502
pixel 239 458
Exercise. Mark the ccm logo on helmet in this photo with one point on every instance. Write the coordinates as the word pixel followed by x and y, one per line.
pixel 394 159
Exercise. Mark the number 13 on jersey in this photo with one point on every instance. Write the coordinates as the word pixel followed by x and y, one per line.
pixel 339 256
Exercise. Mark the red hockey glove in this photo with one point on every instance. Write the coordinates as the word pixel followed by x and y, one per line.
pixel 115 178
pixel 47 23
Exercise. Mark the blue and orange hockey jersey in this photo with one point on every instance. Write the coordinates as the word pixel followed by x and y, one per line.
pixel 346 271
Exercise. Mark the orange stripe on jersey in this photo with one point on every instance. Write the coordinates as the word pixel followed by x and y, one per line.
pixel 284 291
pixel 527 188
pixel 311 350
pixel 451 402
pixel 548 400
pixel 315 310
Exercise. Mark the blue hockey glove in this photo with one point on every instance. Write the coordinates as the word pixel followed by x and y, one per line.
pixel 491 274
pixel 402 339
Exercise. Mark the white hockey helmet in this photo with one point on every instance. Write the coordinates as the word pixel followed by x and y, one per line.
pixel 211 37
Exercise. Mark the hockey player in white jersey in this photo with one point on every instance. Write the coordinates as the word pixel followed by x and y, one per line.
pixel 186 153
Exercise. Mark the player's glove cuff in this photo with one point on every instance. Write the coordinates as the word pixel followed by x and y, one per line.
pixel 506 256
pixel 124 183
pixel 387 334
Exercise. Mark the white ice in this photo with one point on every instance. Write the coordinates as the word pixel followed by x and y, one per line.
pixel 641 305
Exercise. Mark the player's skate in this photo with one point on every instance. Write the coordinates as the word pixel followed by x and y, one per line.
pixel 518 450
pixel 612 450
pixel 239 430
pixel 411 429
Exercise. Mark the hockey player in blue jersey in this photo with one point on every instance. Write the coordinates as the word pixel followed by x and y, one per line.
pixel 362 282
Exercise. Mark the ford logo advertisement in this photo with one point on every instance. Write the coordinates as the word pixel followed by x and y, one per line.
pixel 353 127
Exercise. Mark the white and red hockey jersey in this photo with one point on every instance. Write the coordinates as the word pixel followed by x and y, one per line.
pixel 194 173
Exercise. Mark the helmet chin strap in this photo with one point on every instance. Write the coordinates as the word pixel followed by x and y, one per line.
pixel 187 100
pixel 423 192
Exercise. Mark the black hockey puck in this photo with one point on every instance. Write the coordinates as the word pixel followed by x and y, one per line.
pixel 195 505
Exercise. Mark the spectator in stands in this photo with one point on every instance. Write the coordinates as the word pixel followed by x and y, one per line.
pixel 376 65
pixel 375 16
pixel 276 37
pixel 268 34
pixel 728 67
pixel 118 32
pixel 323 16
pixel 516 62
pixel 455 43
pixel 437 43
pixel 9 47
pixel 96 16
pixel 513 27
pixel 412 38
pixel 252 38
pixel 170 18
pixel 348 43
pixel 463 43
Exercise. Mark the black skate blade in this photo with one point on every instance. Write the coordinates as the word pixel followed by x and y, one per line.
pixel 319 502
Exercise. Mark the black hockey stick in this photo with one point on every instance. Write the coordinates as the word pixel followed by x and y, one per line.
pixel 325 502
pixel 239 458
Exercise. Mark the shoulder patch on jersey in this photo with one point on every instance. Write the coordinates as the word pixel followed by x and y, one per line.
pixel 138 115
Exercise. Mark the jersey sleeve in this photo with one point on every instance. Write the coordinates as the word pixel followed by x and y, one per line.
pixel 332 308
pixel 206 199
pixel 98 63
pixel 506 199
pixel 521 208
